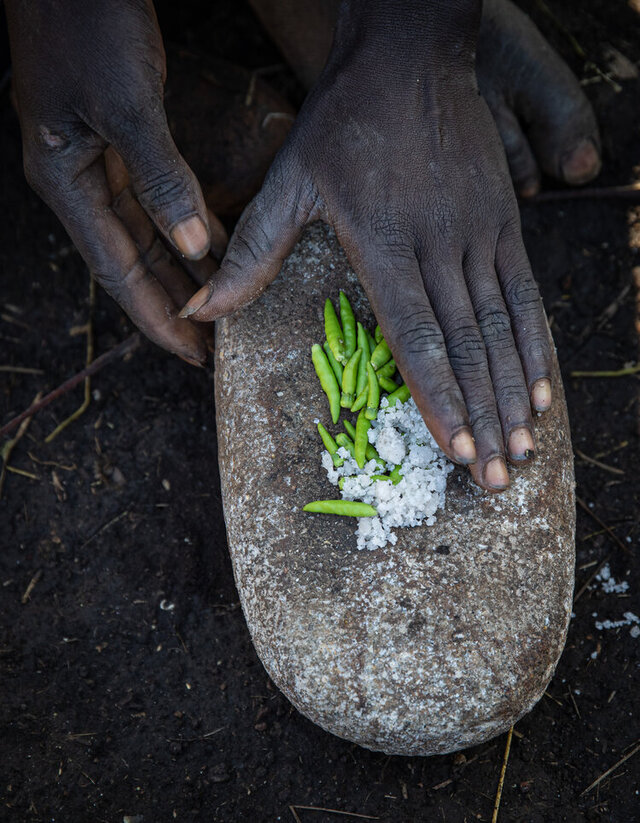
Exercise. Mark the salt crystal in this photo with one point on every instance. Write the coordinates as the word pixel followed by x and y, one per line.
pixel 401 438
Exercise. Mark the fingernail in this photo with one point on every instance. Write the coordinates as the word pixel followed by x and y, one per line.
pixel 521 445
pixel 463 447
pixel 581 164
pixel 495 474
pixel 197 302
pixel 191 237
pixel 191 361
pixel 541 395
pixel 530 188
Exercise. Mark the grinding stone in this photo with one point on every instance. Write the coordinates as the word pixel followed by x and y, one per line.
pixel 437 643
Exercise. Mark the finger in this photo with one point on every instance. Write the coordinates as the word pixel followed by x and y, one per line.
pixel 528 320
pixel 507 377
pixel 162 181
pixel 82 200
pixel 468 357
pixel 397 295
pixel 522 164
pixel 175 280
pixel 265 234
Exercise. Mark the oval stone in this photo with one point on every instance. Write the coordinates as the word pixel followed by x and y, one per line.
pixel 436 643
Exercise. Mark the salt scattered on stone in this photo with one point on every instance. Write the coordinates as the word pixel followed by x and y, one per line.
pixel 401 438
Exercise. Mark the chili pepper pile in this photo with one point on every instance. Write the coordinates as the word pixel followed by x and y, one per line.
pixel 355 369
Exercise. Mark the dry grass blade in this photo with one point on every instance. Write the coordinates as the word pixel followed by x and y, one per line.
pixel 9 446
pixel 295 807
pixel 615 373
pixel 503 771
pixel 88 330
pixel 606 774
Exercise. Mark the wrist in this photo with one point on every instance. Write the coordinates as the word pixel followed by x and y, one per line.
pixel 409 31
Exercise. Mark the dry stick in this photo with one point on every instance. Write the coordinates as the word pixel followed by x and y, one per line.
pixel 630 191
pixel 597 463
pixel 127 345
pixel 612 769
pixel 503 771
pixel 603 525
pixel 88 330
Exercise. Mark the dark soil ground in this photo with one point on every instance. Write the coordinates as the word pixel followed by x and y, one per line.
pixel 130 689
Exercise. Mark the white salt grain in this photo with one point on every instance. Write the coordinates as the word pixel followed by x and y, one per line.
pixel 401 439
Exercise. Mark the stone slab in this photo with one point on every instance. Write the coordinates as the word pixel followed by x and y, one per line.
pixel 432 645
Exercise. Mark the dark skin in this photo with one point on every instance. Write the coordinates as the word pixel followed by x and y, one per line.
pixel 404 162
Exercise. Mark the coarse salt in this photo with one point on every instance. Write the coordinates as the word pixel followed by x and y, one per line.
pixel 401 438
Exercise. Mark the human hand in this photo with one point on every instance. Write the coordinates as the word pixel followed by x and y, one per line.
pixel 398 152
pixel 89 84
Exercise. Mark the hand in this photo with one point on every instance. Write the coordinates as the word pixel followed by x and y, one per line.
pixel 89 85
pixel 397 151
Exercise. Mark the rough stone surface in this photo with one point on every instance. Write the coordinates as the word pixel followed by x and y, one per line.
pixel 435 644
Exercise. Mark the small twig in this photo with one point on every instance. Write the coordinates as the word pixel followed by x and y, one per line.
pixel 617 373
pixel 102 529
pixel 630 191
pixel 20 370
pixel 503 771
pixel 587 582
pixel 31 586
pixel 88 330
pixel 597 463
pixel 575 705
pixel 296 806
pixel 612 769
pixel 127 345
pixel 603 525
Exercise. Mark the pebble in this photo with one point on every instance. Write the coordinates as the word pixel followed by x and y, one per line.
pixel 428 646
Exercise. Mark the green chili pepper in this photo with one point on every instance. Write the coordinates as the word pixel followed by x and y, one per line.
pixel 377 334
pixel 361 399
pixel 333 332
pixel 387 384
pixel 337 368
pixel 361 439
pixel 380 355
pixel 327 380
pixel 363 344
pixel 388 370
pixel 348 325
pixel 349 377
pixel 373 396
pixel 370 453
pixel 395 476
pixel 400 395
pixel 349 508
pixel 350 429
pixel 330 445
pixel 371 339
pixel 346 442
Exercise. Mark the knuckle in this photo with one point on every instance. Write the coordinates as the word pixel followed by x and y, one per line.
pixel 466 349
pixel 157 190
pixel 416 330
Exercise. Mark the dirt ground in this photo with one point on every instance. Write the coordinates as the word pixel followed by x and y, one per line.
pixel 129 686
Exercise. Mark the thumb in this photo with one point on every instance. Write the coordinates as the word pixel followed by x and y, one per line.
pixel 266 233
pixel 162 181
